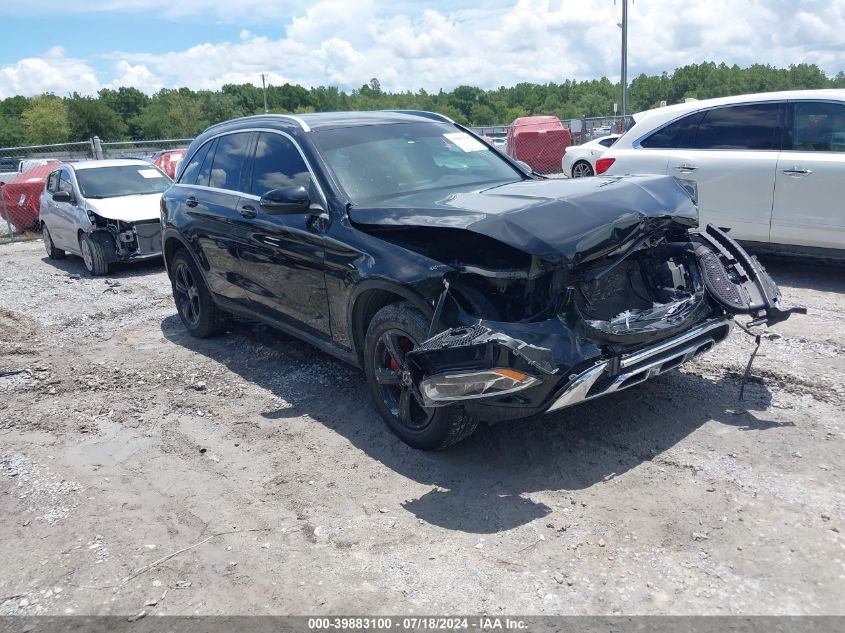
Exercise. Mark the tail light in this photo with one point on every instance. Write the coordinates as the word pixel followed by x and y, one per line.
pixel 603 164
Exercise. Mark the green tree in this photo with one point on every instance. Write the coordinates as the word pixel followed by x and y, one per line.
pixel 172 114
pixel 46 120
pixel 92 117
pixel 12 130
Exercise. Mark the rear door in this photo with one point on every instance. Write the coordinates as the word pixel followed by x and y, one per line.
pixel 210 197
pixel 809 209
pixel 732 154
pixel 282 262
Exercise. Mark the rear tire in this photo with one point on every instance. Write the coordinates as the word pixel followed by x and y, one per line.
pixel 52 251
pixel 582 169
pixel 200 315
pixel 393 331
pixel 93 255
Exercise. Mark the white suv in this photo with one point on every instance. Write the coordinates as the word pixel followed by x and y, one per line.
pixel 770 167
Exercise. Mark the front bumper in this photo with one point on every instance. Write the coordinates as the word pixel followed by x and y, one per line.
pixel 567 368
pixel 627 370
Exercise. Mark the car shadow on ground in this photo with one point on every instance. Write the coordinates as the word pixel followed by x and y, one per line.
pixel 73 265
pixel 822 276
pixel 481 485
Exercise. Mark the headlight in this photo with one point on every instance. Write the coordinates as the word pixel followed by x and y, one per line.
pixel 476 384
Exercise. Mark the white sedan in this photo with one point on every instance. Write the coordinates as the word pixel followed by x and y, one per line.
pixel 580 160
pixel 105 211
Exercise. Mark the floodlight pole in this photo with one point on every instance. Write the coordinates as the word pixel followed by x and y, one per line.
pixel 624 58
pixel 264 90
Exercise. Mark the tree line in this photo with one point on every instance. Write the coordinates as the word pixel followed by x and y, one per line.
pixel 128 113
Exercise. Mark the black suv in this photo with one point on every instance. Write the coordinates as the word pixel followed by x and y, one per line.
pixel 466 287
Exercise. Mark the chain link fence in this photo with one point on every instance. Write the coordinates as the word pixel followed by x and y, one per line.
pixel 24 170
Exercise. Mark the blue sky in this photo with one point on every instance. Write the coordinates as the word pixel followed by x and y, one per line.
pixel 408 44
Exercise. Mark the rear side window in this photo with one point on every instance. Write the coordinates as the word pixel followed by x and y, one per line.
pixel 607 142
pixel 675 134
pixel 277 164
pixel 192 169
pixel 753 126
pixel 230 156
pixel 818 127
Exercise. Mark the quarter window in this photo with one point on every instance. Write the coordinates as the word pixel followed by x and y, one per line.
pixel 818 127
pixel 754 126
pixel 192 169
pixel 53 182
pixel 229 159
pixel 277 164
pixel 675 134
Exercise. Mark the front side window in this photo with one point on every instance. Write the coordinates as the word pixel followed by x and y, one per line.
pixel 230 156
pixel 753 126
pixel 818 127
pixel 277 164
pixel 121 180
pixel 380 161
pixel 675 134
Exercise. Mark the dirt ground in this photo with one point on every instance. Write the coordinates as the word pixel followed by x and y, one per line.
pixel 124 441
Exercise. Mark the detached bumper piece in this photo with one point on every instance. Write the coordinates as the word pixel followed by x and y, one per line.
pixel 616 374
pixel 737 281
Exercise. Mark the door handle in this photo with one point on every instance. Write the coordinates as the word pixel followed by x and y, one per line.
pixel 797 172
pixel 685 168
pixel 191 201
pixel 247 211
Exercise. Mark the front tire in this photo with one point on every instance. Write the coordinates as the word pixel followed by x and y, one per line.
pixel 52 251
pixel 93 255
pixel 200 315
pixel 395 330
pixel 582 169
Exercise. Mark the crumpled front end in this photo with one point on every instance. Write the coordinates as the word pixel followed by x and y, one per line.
pixel 126 241
pixel 597 330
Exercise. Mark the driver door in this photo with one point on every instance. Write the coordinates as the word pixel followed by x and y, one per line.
pixel 63 222
pixel 282 262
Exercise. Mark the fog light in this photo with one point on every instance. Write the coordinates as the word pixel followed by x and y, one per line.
pixel 476 384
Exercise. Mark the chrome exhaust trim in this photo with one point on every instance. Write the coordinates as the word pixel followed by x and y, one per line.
pixel 642 365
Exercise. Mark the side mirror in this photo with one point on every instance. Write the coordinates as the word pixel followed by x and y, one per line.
pixel 62 196
pixel 290 199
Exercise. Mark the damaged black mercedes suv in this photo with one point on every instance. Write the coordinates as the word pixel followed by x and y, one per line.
pixel 466 287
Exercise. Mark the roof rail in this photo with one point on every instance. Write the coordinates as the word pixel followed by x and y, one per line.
pixel 434 116
pixel 299 121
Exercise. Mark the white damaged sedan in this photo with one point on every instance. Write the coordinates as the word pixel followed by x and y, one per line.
pixel 104 211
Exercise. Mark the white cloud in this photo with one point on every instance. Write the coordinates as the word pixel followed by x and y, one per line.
pixel 138 76
pixel 410 44
pixel 54 72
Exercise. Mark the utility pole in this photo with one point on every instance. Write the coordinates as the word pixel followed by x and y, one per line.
pixel 264 89
pixel 624 59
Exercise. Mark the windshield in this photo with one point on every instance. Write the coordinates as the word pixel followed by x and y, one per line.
pixel 374 162
pixel 124 180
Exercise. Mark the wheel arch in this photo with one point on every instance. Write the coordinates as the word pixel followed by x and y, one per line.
pixel 369 297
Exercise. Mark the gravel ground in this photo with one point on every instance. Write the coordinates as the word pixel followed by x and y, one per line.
pixel 263 463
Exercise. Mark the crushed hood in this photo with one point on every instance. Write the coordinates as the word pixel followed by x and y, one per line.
pixel 127 208
pixel 567 222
